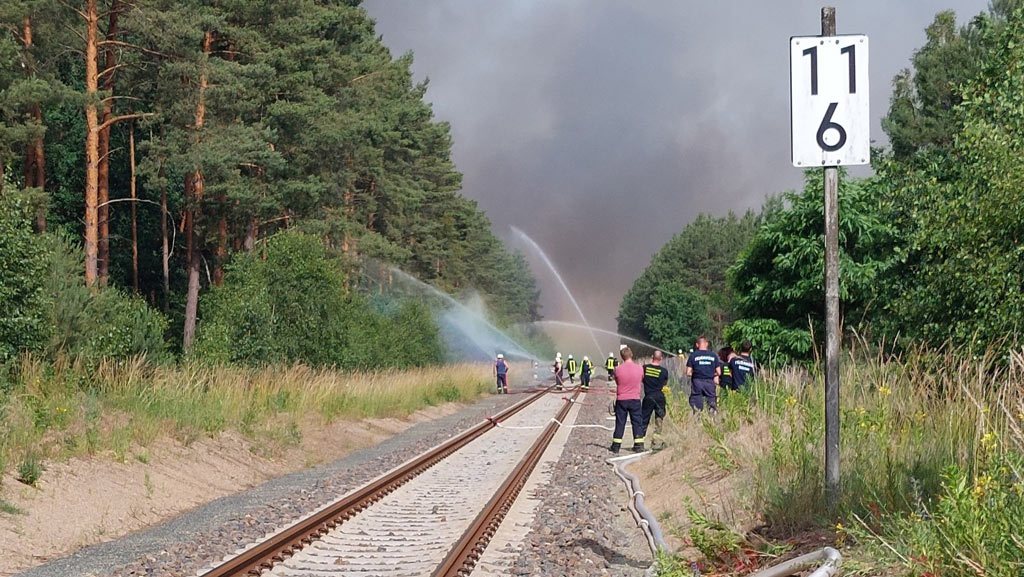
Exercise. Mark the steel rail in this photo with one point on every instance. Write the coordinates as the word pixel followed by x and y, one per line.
pixel 464 555
pixel 282 545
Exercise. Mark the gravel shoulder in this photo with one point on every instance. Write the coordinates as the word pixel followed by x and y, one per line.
pixel 193 540
pixel 582 526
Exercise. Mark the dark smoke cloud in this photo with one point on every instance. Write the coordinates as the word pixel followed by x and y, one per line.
pixel 602 127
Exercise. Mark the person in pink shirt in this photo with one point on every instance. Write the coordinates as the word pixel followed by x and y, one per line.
pixel 628 378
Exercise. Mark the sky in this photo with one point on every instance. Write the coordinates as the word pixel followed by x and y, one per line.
pixel 602 127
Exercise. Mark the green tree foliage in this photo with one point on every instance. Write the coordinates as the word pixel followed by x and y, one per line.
pixel 290 302
pixel 780 274
pixel 679 314
pixel 307 122
pixel 95 324
pixel 965 277
pixel 44 306
pixel 922 115
pixel 777 346
pixel 698 258
pixel 22 273
pixel 921 108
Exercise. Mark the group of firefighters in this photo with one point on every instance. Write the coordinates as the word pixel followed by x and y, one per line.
pixel 640 389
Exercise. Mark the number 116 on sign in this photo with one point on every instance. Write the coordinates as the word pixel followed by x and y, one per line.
pixel 831 117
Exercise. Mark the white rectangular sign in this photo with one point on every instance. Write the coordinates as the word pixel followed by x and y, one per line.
pixel 831 119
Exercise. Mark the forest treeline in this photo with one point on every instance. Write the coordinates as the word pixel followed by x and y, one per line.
pixel 931 245
pixel 153 149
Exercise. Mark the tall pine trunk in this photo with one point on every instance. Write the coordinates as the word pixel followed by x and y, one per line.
pixel 35 157
pixel 92 143
pixel 165 255
pixel 135 222
pixel 194 190
pixel 222 242
pixel 192 257
pixel 40 180
pixel 251 233
pixel 103 192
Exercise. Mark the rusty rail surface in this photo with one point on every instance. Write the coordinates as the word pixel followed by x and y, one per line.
pixel 282 545
pixel 463 557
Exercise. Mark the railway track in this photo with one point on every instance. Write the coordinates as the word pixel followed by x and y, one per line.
pixel 433 515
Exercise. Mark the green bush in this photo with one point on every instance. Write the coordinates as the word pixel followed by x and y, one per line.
pixel 22 274
pixel 45 305
pixel 96 323
pixel 779 274
pixel 292 303
pixel 775 345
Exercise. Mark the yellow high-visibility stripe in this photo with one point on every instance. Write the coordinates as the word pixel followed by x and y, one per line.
pixel 638 440
pixel 616 440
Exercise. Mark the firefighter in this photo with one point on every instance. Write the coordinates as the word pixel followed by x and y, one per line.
pixel 501 374
pixel 744 367
pixel 609 366
pixel 574 368
pixel 559 371
pixel 704 369
pixel 586 369
pixel 725 356
pixel 628 378
pixel 654 403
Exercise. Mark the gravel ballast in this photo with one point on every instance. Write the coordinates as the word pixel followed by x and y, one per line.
pixel 582 526
pixel 192 541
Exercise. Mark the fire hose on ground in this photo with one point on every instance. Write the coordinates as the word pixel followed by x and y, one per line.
pixel 827 559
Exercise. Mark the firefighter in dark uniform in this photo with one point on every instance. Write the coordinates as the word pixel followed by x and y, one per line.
pixel 609 366
pixel 704 369
pixel 654 403
pixel 586 369
pixel 725 355
pixel 574 368
pixel 743 366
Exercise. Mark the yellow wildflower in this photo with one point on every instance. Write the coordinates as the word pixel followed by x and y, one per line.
pixel 884 391
pixel 982 485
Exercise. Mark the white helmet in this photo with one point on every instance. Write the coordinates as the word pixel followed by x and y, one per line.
pixel 610 355
pixel 501 356
pixel 586 358
pixel 558 355
pixel 570 356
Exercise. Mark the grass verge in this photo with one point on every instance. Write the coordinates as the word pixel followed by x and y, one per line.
pixel 55 410
pixel 932 463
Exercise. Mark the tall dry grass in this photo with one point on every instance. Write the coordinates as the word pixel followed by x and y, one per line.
pixel 932 445
pixel 68 407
